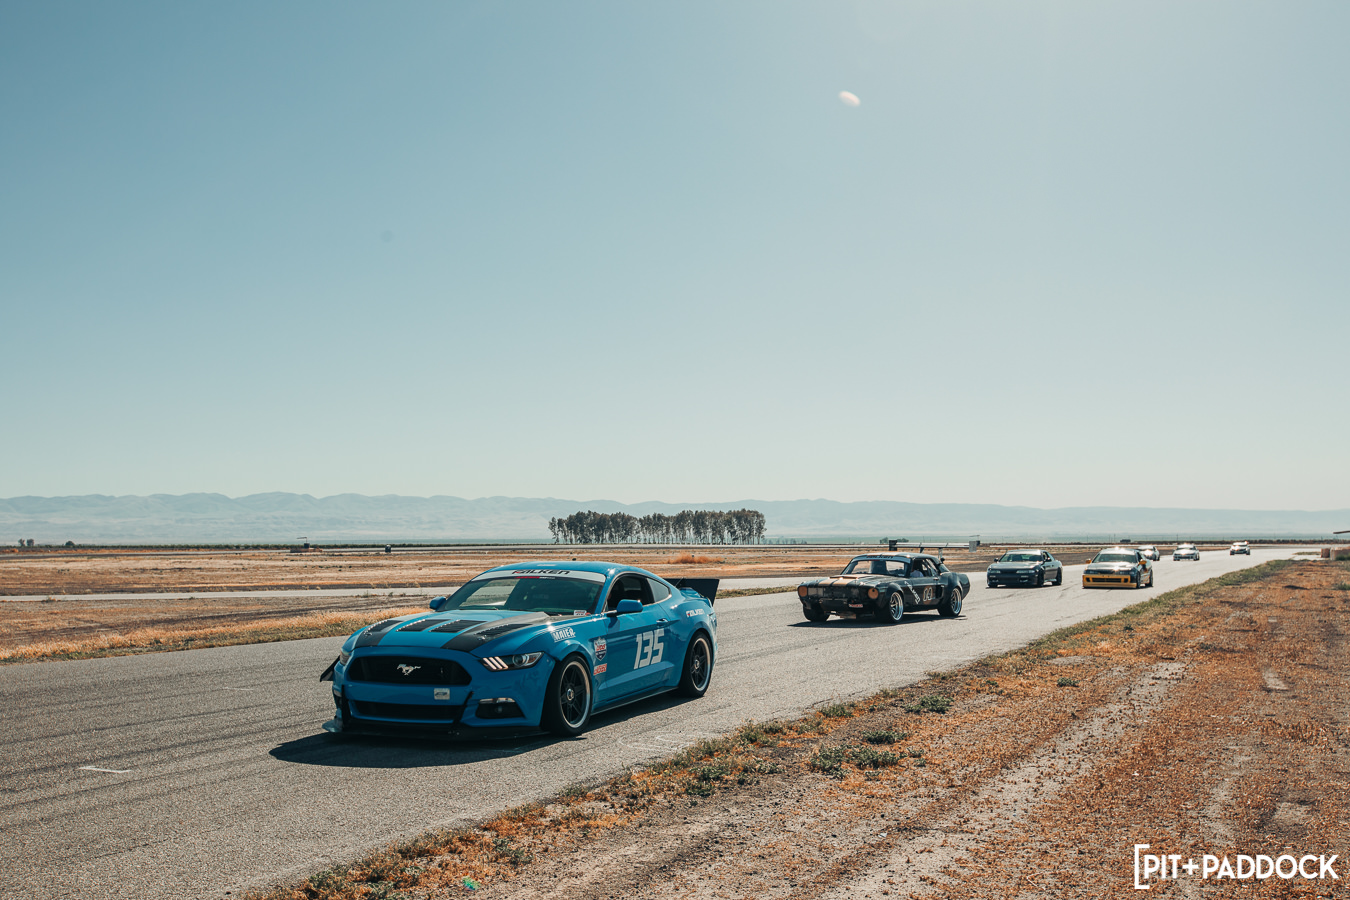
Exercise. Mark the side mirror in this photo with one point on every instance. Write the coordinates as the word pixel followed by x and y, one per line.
pixel 436 602
pixel 629 606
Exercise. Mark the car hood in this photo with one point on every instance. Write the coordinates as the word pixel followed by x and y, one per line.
pixel 851 579
pixel 1097 568
pixel 466 630
pixel 1014 566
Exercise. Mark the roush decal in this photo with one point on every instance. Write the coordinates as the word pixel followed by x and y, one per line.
pixel 601 648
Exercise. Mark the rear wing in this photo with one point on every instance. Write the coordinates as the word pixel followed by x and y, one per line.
pixel 705 587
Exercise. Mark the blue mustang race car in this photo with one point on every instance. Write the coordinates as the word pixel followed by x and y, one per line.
pixel 528 646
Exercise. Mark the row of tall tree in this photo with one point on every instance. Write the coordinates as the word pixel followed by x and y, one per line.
pixel 690 526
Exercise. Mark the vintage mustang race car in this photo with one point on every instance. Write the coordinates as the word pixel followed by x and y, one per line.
pixel 526 646
pixel 1025 568
pixel 885 585
pixel 1119 567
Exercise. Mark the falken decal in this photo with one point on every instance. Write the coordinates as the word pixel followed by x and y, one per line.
pixel 601 648
pixel 540 573
pixel 600 669
pixel 562 634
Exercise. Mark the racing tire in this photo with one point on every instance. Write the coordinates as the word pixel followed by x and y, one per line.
pixel 568 698
pixel 894 610
pixel 951 607
pixel 814 613
pixel 697 673
pixel 1059 578
pixel 1040 580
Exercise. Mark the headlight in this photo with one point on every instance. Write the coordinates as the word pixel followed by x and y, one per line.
pixel 873 593
pixel 801 590
pixel 344 657
pixel 518 661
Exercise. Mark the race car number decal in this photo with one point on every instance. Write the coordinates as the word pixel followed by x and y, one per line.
pixel 649 648
pixel 929 593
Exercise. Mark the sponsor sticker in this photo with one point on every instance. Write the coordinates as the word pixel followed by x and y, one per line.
pixel 562 634
pixel 692 612
pixel 441 694
pixel 601 648
pixel 540 573
pixel 601 669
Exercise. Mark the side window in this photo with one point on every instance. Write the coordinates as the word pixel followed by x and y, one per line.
pixel 658 590
pixel 627 587
pixel 896 568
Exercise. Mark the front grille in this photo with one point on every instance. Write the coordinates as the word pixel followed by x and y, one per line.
pixel 416 670
pixel 417 712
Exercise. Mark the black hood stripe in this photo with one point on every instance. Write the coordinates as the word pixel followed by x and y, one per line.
pixel 375 633
pixel 456 625
pixel 473 638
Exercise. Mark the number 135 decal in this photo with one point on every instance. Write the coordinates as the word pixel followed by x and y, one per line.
pixel 649 648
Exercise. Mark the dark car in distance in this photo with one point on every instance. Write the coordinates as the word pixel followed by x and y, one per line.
pixel 1025 568
pixel 886 586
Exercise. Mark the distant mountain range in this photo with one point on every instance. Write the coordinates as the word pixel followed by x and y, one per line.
pixel 282 517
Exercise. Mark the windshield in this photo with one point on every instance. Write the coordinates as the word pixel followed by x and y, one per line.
pixel 1116 556
pixel 876 567
pixel 545 594
pixel 1022 556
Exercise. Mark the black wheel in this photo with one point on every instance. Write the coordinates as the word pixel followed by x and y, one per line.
pixel 567 699
pixel 951 607
pixel 1059 578
pixel 1040 579
pixel 894 610
pixel 697 667
pixel 814 613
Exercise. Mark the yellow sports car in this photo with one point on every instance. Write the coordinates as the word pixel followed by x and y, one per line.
pixel 1119 567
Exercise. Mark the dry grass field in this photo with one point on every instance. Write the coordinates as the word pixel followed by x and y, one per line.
pixel 71 624
pixel 64 572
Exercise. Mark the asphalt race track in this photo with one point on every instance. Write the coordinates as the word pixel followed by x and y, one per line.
pixel 202 772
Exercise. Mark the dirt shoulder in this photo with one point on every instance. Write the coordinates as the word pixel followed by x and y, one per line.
pixel 1211 720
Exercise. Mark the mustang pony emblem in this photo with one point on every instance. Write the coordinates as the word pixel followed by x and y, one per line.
pixel 407 669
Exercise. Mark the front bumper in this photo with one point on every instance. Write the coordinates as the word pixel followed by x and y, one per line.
pixel 1013 578
pixel 1109 579
pixel 843 606
pixel 369 707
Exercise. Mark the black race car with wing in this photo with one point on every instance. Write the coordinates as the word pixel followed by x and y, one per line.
pixel 887 586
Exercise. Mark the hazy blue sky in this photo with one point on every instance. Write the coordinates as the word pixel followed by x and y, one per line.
pixel 1062 253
